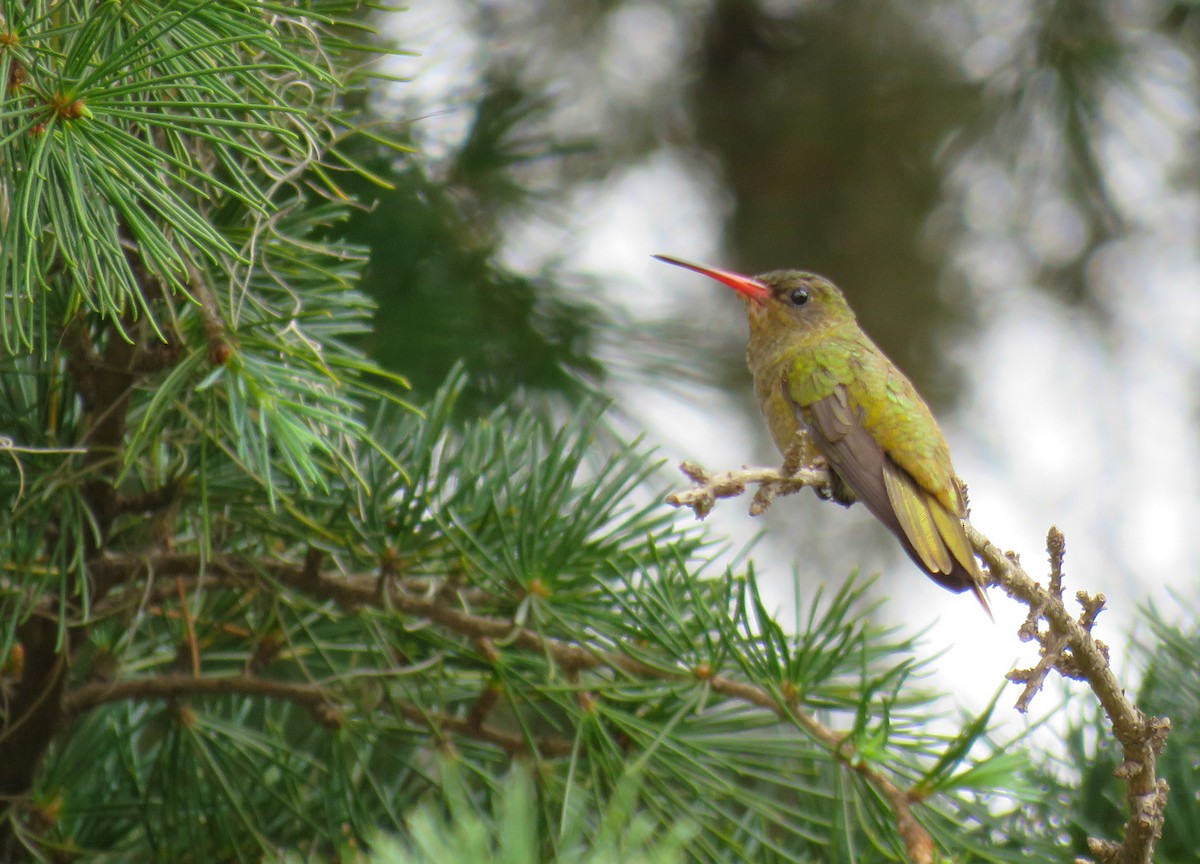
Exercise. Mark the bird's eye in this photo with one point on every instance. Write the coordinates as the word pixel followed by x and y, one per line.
pixel 798 296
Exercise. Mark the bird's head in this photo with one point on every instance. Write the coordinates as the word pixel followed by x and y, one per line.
pixel 782 301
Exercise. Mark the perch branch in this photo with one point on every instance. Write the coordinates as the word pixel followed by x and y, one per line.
pixel 707 488
pixel 1066 645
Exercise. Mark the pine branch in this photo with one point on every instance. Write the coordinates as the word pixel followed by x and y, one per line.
pixel 445 609
pixel 321 701
pixel 324 703
pixel 1067 646
pixel 104 379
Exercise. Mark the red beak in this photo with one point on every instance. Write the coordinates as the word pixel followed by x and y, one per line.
pixel 744 285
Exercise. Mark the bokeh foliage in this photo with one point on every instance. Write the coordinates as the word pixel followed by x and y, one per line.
pixel 444 296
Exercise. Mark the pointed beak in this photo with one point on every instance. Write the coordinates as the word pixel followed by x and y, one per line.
pixel 749 288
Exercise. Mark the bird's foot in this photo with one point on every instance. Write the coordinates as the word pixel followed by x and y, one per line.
pixel 837 490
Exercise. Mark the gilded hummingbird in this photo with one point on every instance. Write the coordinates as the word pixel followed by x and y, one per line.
pixel 824 386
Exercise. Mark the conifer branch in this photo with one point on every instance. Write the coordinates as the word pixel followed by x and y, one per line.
pixel 445 610
pixel 1066 645
pixel 323 702
pixel 89 696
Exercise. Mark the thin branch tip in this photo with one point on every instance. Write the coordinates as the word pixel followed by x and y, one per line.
pixel 1066 644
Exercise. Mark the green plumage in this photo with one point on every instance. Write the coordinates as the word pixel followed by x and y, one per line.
pixel 825 389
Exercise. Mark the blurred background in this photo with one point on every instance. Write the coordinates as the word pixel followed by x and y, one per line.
pixel 1005 191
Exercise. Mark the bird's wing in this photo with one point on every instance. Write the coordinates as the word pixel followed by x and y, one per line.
pixel 895 414
pixel 931 534
pixel 917 512
pixel 851 451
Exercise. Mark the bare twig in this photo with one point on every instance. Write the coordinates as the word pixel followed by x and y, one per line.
pixel 707 488
pixel 1141 737
pixel 1066 645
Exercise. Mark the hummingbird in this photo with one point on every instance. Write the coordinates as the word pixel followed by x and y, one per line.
pixel 828 393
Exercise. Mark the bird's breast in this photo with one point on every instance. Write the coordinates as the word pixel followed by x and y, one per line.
pixel 791 371
pixel 770 391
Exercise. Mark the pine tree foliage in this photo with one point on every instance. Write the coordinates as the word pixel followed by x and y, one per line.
pixel 252 604
pixel 440 232
pixel 562 625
